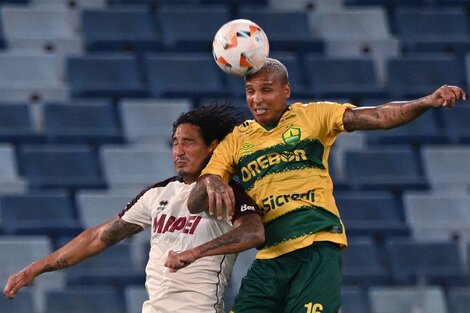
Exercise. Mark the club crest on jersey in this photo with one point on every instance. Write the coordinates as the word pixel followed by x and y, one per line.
pixel 291 136
pixel 163 204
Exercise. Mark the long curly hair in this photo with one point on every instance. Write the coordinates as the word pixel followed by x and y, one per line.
pixel 215 120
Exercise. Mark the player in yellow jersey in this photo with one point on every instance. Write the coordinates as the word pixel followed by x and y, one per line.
pixel 281 159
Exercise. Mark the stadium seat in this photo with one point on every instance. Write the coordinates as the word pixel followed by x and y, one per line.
pixel 89 122
pixel 309 5
pixel 121 29
pixel 96 207
pixel 112 267
pixel 379 50
pixel 390 168
pixel 358 23
pixel 424 130
pixel 50 213
pixel 136 166
pixel 442 29
pixel 179 75
pixel 457 128
pixel 151 120
pixel 447 167
pixel 353 78
pixel 60 166
pixel 31 76
pixel 419 75
pixel 375 213
pixel 24 303
pixel 10 181
pixel 428 219
pixel 430 262
pixel 286 30
pixel 458 299
pixel 105 75
pixel 362 264
pixel 80 300
pixel 17 123
pixel 70 5
pixel 25 27
pixel 190 28
pixel 135 297
pixel 354 299
pixel 429 299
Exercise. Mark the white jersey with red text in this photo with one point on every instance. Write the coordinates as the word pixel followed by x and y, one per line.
pixel 199 287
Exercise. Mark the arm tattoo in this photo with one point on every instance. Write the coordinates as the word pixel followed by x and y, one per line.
pixel 119 230
pixel 60 264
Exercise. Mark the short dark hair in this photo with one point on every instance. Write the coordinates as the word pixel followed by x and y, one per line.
pixel 215 120
pixel 273 66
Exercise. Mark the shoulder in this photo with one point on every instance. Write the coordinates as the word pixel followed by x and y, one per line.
pixel 243 127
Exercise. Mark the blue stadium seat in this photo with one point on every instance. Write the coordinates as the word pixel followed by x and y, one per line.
pixel 431 262
pixel 16 123
pixel 419 75
pixel 135 297
pixel 342 78
pixel 10 181
pixel 112 267
pixel 105 75
pixel 375 213
pixel 188 28
pixel 433 29
pixel 80 300
pixel 121 29
pixel 286 30
pixel 354 299
pixel 456 125
pixel 424 130
pixel 179 75
pixel 24 303
pixel 362 264
pixel 88 122
pixel 458 299
pixel 429 299
pixel 61 166
pixel 394 168
pixel 151 120
pixel 50 213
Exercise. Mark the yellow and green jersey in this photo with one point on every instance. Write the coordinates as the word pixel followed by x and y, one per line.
pixel 285 170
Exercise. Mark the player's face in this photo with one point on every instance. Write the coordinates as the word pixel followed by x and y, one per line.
pixel 266 96
pixel 190 152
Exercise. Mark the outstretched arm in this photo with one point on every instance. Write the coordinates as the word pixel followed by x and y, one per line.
pixel 90 242
pixel 213 194
pixel 397 113
pixel 248 232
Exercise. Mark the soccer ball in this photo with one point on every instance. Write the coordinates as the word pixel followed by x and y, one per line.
pixel 240 47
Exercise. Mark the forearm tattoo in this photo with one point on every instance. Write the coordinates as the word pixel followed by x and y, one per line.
pixel 119 230
pixel 60 264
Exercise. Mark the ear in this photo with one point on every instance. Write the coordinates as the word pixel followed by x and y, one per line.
pixel 287 91
pixel 214 144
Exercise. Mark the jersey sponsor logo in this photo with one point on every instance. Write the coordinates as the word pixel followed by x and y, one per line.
pixel 292 136
pixel 245 148
pixel 163 204
pixel 275 201
pixel 278 159
pixel 184 224
pixel 246 207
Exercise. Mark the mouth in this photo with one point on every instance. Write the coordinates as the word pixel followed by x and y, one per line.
pixel 259 111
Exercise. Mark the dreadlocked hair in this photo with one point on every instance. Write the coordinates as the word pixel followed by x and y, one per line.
pixel 215 120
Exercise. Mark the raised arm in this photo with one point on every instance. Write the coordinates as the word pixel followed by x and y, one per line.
pixel 90 242
pixel 248 232
pixel 397 113
pixel 213 194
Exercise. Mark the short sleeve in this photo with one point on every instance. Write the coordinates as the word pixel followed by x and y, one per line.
pixel 244 205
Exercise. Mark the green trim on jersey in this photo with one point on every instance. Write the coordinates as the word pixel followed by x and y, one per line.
pixel 278 159
pixel 300 222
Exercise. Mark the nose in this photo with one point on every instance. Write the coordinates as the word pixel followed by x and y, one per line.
pixel 178 150
pixel 256 97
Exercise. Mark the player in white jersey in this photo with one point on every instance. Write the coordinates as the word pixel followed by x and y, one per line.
pixel 210 245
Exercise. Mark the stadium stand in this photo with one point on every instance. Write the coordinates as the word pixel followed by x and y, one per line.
pixel 10 181
pixel 25 305
pixel 458 299
pixel 354 299
pixel 17 123
pixel 457 129
pixel 135 296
